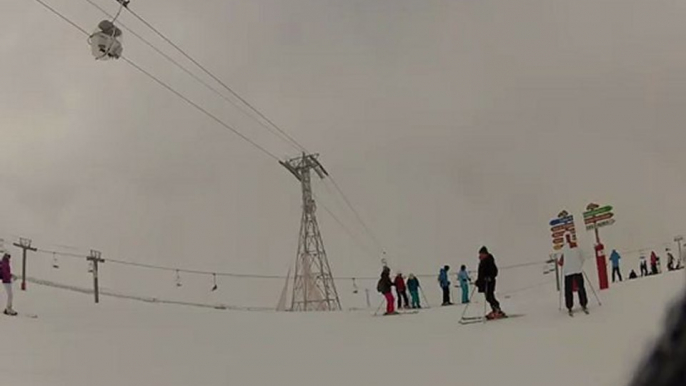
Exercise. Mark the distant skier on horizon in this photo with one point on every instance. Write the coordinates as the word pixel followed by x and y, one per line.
pixel 670 260
pixel 615 258
pixel 643 265
pixel 486 281
pixel 572 263
pixel 654 261
pixel 465 280
pixel 444 282
pixel 384 286
pixel 6 276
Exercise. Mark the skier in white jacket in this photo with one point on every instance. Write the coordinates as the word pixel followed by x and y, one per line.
pixel 572 262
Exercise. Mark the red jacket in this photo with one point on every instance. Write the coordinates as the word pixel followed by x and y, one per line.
pixel 653 258
pixel 5 271
pixel 399 283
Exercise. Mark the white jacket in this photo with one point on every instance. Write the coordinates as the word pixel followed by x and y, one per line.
pixel 573 261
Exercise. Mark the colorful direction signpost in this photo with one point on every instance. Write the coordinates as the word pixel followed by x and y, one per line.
pixel 563 223
pixel 596 217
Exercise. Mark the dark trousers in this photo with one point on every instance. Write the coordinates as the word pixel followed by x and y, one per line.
pixel 616 272
pixel 490 296
pixel 653 268
pixel 446 294
pixel 402 297
pixel 644 269
pixel 569 290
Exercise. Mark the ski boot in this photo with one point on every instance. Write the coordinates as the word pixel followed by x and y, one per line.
pixel 585 309
pixel 10 312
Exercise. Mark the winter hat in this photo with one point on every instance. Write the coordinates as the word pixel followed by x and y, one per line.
pixel 447 267
pixel 483 250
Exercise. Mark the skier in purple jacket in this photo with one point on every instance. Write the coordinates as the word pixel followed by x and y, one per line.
pixel 6 276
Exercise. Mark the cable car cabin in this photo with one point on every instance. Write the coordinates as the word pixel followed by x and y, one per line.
pixel 106 41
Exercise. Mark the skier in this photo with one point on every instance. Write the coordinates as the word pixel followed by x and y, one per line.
pixel 465 280
pixel 643 266
pixel 384 286
pixel 6 275
pixel 486 281
pixel 614 258
pixel 632 275
pixel 670 260
pixel 572 262
pixel 653 263
pixel 401 291
pixel 413 287
pixel 445 285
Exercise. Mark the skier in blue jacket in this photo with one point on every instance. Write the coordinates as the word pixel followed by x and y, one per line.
pixel 465 280
pixel 445 285
pixel 614 258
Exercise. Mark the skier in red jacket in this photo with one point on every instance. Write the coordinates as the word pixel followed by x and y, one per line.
pixel 6 276
pixel 401 290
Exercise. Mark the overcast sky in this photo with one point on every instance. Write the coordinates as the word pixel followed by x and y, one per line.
pixel 449 124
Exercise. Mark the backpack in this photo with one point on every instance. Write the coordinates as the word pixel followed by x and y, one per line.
pixel 379 286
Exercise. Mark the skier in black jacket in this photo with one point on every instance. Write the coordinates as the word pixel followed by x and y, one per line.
pixel 485 282
pixel 384 286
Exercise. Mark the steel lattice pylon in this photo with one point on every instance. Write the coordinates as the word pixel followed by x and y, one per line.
pixel 313 285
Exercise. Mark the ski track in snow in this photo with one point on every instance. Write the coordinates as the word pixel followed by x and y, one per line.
pixel 120 342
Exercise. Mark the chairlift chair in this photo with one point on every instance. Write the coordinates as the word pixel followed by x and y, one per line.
pixel 106 41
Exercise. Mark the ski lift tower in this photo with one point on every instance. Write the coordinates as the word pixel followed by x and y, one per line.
pixel 313 285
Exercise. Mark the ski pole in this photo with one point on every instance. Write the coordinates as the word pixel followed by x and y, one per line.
pixel 379 307
pixel 464 312
pixel 424 296
pixel 559 291
pixel 592 288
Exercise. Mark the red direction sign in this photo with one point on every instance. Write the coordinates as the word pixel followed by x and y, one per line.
pixel 598 218
pixel 562 228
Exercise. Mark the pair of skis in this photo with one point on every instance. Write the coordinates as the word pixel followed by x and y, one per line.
pixel 483 319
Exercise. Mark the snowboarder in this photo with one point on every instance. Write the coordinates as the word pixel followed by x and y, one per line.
pixel 401 291
pixel 445 285
pixel 384 286
pixel 643 266
pixel 614 258
pixel 465 280
pixel 413 287
pixel 670 260
pixel 572 262
pixel 6 276
pixel 653 263
pixel 486 280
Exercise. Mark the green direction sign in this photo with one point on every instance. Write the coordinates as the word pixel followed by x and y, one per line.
pixel 598 211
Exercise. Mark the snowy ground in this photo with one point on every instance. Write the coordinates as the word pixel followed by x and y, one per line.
pixel 122 342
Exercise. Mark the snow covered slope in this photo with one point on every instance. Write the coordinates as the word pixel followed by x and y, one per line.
pixel 123 342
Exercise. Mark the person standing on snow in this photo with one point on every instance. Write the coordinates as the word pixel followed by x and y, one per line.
pixel 614 258
pixel 401 291
pixel 670 260
pixel 485 281
pixel 384 286
pixel 653 263
pixel 643 265
pixel 465 280
pixel 445 285
pixel 413 287
pixel 6 276
pixel 572 262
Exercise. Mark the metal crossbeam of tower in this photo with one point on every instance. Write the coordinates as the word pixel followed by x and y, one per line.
pixel 313 284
